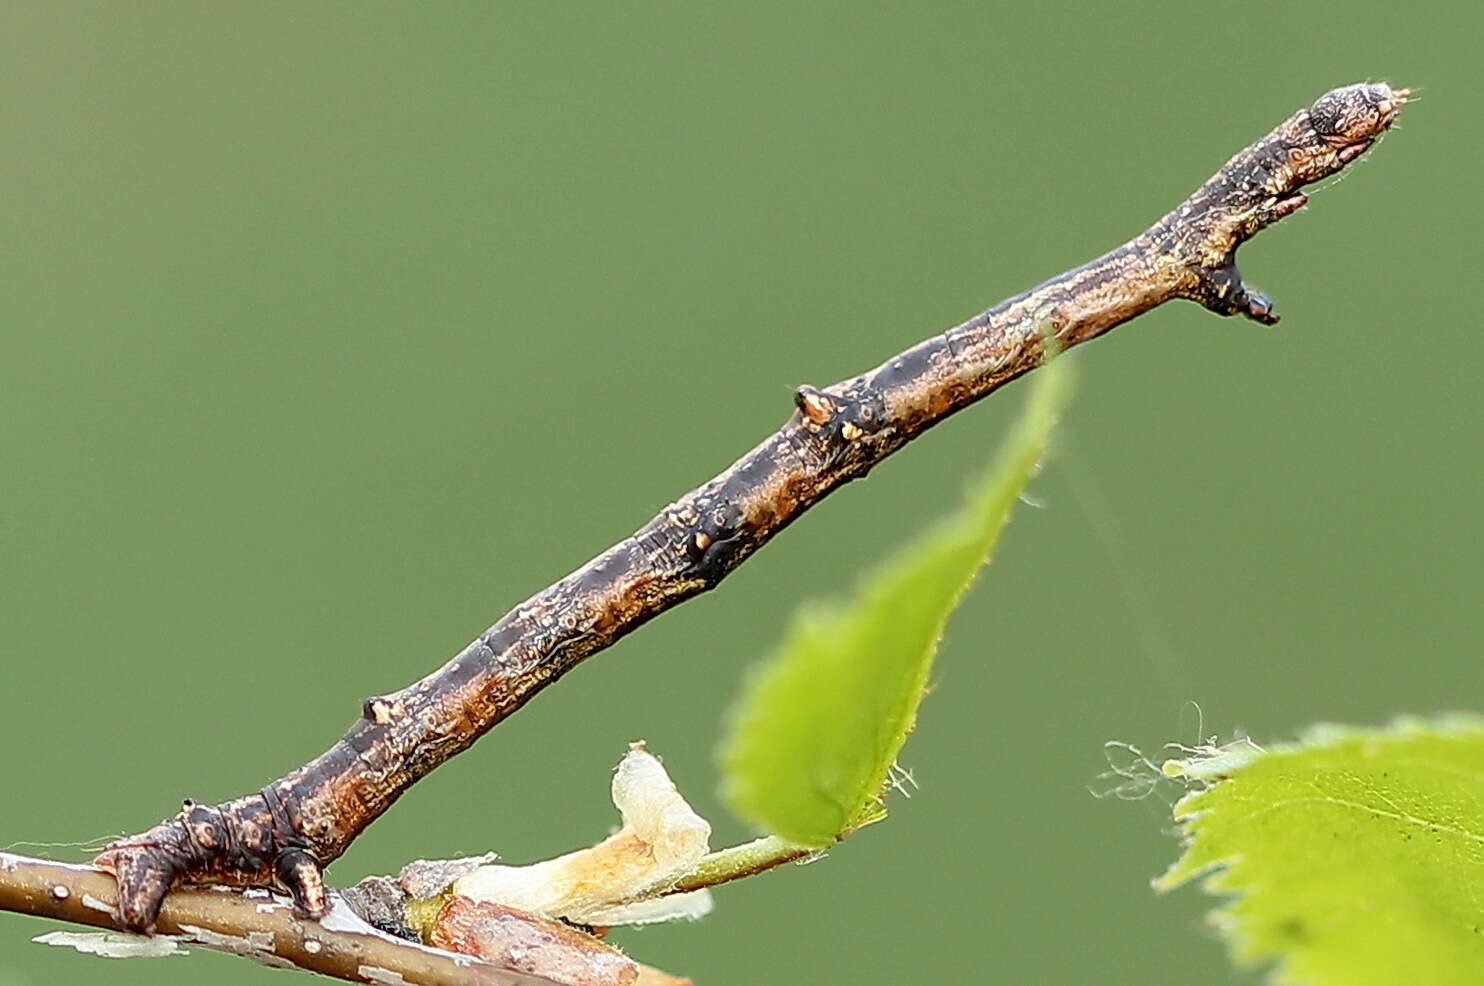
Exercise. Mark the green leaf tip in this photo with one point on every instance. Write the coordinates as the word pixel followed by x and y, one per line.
pixel 1355 857
pixel 816 733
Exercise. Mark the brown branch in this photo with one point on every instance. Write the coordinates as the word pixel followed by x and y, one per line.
pixel 253 924
pixel 287 831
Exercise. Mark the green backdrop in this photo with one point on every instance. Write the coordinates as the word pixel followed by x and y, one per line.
pixel 332 330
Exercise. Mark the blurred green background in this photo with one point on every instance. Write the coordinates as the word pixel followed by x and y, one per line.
pixel 333 330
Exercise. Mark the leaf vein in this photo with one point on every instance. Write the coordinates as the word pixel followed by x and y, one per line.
pixel 1358 806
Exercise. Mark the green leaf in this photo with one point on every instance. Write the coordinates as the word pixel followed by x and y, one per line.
pixel 821 722
pixel 1357 857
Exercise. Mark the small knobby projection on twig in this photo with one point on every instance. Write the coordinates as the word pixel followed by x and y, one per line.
pixel 285 833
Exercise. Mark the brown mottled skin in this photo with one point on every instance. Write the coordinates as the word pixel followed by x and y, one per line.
pixel 287 831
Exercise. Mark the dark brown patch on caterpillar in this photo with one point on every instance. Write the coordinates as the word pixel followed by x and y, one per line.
pixel 305 820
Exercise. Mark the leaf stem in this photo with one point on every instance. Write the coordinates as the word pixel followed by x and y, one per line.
pixel 748 859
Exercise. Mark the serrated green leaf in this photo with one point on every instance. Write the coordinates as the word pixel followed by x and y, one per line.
pixel 821 722
pixel 1357 857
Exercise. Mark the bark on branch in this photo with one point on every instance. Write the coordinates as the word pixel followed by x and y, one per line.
pixel 253 924
pixel 286 832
